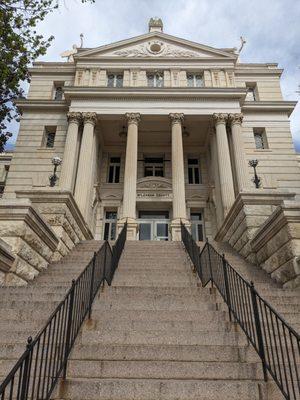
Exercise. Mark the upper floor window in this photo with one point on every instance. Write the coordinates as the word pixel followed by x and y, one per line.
pixel 260 138
pixel 194 80
pixel 251 92
pixel 154 166
pixel 194 171
pixel 155 79
pixel 114 170
pixel 49 136
pixel 114 80
pixel 58 90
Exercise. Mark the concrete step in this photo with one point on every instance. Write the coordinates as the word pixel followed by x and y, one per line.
pixel 157 337
pixel 99 351
pixel 164 370
pixel 153 389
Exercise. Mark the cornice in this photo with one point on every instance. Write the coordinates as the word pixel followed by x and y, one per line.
pixel 73 92
pixel 262 106
pixel 55 68
pixel 45 105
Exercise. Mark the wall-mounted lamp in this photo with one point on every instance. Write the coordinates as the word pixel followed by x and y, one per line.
pixel 56 161
pixel 256 180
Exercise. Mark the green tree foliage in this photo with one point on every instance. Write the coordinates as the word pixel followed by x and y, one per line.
pixel 20 44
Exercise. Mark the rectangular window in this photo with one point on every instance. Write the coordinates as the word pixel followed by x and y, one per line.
pixel 58 90
pixel 110 225
pixel 155 79
pixel 251 92
pixel 154 166
pixel 194 171
pixel 114 170
pixel 197 226
pixel 49 136
pixel 260 138
pixel 115 80
pixel 194 79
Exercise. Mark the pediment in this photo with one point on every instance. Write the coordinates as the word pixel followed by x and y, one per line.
pixel 155 45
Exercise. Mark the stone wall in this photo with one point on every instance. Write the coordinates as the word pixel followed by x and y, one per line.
pixel 31 239
pixel 277 244
pixel 249 211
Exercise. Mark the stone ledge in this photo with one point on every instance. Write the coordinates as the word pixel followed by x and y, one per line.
pixel 6 257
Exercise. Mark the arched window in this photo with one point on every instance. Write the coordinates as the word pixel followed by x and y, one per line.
pixel 114 80
pixel 155 79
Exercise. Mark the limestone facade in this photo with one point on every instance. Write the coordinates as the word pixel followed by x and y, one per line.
pixel 153 129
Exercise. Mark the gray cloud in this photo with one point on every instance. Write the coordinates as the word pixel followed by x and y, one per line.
pixel 271 28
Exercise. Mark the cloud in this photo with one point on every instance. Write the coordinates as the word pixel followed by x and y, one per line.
pixel 271 28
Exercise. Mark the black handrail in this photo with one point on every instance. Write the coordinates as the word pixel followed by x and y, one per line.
pixel 275 341
pixel 45 359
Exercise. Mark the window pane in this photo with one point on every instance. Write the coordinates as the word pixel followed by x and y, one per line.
pixel 159 172
pixel 196 172
pixel 190 171
pixel 111 215
pixel 196 216
pixel 110 80
pixel 200 232
pixel 199 81
pixel 115 159
pixel 148 171
pixel 150 79
pixel 111 174
pixel 58 93
pixel 113 231
pixel 193 161
pixel 50 139
pixel 259 143
pixel 117 174
pixel 106 231
pixel 190 80
pixel 159 81
pixel 119 82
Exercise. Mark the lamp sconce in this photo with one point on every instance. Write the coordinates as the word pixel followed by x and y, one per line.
pixel 256 180
pixel 56 161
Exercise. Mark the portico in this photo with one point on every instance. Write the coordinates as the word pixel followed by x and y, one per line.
pixel 154 156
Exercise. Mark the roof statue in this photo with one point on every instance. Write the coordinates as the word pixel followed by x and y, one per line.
pixel 70 53
pixel 155 25
pixel 243 42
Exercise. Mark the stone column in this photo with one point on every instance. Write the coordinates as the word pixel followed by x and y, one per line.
pixel 241 168
pixel 225 171
pixel 178 184
pixel 130 175
pixel 69 158
pixel 85 164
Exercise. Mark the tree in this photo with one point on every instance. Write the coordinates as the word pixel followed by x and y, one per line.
pixel 20 45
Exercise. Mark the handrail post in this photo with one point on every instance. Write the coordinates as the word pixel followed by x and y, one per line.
pixel 92 285
pixel 26 372
pixel 209 260
pixel 258 330
pixel 228 299
pixel 106 244
pixel 69 326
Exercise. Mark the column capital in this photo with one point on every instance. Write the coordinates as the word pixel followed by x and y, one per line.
pixel 74 117
pixel 133 118
pixel 235 118
pixel 176 118
pixel 220 118
pixel 89 117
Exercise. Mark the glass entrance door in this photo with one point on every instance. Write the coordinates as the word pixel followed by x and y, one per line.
pixel 154 225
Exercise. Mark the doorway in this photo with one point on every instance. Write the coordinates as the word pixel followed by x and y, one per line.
pixel 154 225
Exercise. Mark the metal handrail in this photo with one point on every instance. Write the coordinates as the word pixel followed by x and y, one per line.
pixel 275 341
pixel 45 359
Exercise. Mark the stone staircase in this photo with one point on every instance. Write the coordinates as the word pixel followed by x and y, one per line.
pixel 156 334
pixel 24 310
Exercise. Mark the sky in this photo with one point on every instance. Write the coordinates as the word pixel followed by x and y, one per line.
pixel 270 27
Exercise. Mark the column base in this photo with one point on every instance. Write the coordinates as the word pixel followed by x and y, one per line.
pixel 176 228
pixel 132 227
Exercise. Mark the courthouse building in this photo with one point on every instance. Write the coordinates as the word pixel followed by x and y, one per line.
pixel 154 130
